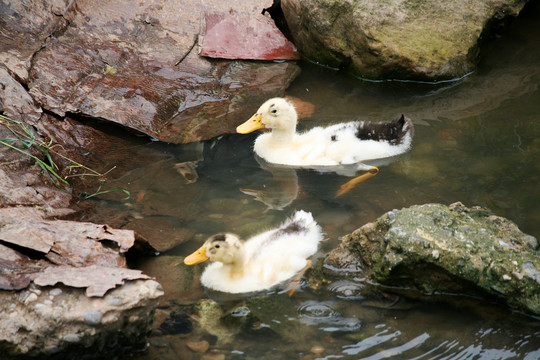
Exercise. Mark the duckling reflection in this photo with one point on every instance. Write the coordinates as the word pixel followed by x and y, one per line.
pixel 280 191
pixel 284 186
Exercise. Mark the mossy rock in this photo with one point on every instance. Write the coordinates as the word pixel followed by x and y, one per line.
pixel 420 40
pixel 438 249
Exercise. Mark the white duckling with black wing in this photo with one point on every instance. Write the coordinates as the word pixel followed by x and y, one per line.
pixel 262 261
pixel 335 145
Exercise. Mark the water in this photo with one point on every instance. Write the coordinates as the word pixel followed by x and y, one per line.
pixel 477 141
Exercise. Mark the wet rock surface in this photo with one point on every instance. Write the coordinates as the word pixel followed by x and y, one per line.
pixel 137 65
pixel 398 39
pixel 439 249
pixel 44 262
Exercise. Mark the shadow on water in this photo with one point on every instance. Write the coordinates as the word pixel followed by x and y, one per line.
pixel 477 141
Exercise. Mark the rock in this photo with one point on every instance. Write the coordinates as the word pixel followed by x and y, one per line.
pixel 96 279
pixel 237 36
pixel 144 73
pixel 68 242
pixel 180 281
pixel 421 40
pixel 210 314
pixel 177 323
pixel 213 356
pixel 317 349
pixel 63 326
pixel 18 103
pixel 440 249
pixel 25 26
pixel 163 233
pixel 63 322
pixel 198 346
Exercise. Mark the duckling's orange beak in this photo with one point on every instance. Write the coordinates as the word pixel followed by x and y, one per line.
pixel 197 257
pixel 254 123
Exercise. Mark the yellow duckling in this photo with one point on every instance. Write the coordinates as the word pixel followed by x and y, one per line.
pixel 335 145
pixel 262 261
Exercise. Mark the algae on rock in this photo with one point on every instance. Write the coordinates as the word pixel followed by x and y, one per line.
pixel 421 40
pixel 437 249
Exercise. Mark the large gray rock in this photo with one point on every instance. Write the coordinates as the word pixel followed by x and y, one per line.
pixel 63 322
pixel 421 40
pixel 440 249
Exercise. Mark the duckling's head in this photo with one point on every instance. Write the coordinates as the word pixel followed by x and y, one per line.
pixel 277 114
pixel 225 248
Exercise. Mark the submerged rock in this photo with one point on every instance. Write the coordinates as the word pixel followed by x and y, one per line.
pixel 439 249
pixel 421 40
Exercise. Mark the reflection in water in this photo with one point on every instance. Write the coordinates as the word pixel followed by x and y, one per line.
pixel 280 191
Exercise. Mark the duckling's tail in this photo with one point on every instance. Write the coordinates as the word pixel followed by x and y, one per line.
pixel 303 222
pixel 398 132
pixel 403 130
pixel 302 215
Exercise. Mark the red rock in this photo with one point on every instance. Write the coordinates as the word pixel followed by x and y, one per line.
pixel 242 36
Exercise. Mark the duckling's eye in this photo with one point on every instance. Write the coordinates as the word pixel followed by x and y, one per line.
pixel 217 246
pixel 273 111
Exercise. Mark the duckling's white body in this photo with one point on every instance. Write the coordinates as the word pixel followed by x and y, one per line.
pixel 340 144
pixel 262 261
pixel 315 147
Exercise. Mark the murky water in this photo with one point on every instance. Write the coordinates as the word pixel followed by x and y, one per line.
pixel 477 141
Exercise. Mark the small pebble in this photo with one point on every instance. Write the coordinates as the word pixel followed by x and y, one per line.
pixel 30 298
pixel 113 300
pixel 317 349
pixel 213 356
pixel 93 317
pixel 517 275
pixel 198 346
pixel 72 338
pixel 55 292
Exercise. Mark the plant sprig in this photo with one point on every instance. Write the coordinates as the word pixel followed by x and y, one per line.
pixel 24 134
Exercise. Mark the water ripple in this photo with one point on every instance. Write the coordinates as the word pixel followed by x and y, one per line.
pixel 318 310
pixel 329 319
pixel 346 289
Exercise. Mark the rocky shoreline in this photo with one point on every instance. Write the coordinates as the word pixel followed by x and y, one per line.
pixel 146 68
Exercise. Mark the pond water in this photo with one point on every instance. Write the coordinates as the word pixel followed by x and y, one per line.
pixel 477 141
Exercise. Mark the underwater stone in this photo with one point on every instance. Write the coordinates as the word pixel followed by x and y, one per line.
pixel 72 338
pixel 55 292
pixel 93 317
pixel 435 248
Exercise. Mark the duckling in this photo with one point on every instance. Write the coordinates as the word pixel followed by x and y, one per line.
pixel 261 262
pixel 335 145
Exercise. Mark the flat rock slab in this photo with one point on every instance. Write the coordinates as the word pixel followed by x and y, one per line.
pixel 244 37
pixel 136 64
pixel 96 279
pixel 419 40
pixel 440 249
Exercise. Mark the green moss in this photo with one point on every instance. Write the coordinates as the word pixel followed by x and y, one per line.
pixel 109 70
